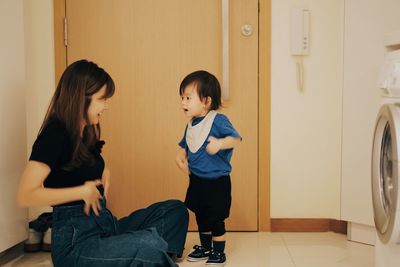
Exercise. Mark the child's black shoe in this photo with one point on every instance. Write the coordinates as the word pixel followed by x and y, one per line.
pixel 216 259
pixel 198 254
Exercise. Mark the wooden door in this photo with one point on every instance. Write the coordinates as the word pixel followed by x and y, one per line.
pixel 148 47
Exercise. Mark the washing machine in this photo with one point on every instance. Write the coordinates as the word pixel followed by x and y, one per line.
pixel 386 166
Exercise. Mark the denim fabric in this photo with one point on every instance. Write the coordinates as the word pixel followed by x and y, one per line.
pixel 141 239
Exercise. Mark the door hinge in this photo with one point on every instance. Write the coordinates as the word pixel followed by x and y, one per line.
pixel 65 32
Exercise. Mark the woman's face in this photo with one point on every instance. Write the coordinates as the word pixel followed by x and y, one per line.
pixel 97 105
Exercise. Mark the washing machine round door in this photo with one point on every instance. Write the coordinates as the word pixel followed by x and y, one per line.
pixel 385 173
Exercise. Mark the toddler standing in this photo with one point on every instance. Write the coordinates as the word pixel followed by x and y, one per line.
pixel 205 153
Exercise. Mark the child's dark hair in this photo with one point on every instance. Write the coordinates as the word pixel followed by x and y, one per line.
pixel 206 85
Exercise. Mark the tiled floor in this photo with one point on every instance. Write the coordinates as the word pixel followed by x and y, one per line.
pixel 267 250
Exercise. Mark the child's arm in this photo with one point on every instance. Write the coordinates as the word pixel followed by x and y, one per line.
pixel 181 160
pixel 215 145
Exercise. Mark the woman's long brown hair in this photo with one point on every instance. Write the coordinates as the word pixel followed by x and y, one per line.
pixel 70 103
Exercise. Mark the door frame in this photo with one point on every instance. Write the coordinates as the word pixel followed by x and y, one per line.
pixel 264 97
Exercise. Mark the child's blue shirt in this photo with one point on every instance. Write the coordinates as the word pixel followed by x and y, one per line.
pixel 209 166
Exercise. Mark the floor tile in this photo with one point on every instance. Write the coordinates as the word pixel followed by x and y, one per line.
pixel 249 249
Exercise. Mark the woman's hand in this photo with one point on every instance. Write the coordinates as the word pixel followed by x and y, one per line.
pixel 182 162
pixel 105 180
pixel 91 196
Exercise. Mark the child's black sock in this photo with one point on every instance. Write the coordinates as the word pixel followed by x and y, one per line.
pixel 219 246
pixel 205 240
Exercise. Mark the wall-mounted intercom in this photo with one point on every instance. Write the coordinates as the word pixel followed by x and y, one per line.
pixel 300 31
pixel 300 40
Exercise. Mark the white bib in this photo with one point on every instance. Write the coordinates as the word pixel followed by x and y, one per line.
pixel 197 135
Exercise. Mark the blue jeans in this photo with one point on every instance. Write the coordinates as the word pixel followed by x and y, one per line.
pixel 144 238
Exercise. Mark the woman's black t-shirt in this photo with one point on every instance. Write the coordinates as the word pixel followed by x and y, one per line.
pixel 53 147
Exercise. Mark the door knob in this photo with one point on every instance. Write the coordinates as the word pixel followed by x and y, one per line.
pixel 246 30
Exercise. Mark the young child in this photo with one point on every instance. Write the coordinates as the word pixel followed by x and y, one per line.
pixel 205 153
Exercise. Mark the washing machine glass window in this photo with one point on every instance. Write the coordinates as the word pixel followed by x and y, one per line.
pixel 385 178
pixel 385 171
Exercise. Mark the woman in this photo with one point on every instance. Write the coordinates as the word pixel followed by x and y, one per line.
pixel 66 170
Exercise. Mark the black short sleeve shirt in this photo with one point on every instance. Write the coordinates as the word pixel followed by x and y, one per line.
pixel 53 148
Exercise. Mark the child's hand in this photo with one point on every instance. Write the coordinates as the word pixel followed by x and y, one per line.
pixel 214 145
pixel 182 162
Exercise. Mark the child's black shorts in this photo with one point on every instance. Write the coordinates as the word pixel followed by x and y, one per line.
pixel 209 197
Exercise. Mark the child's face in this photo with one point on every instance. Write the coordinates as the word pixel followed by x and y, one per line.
pixel 192 104
pixel 97 106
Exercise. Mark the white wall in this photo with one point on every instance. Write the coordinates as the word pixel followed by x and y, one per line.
pixel 26 85
pixel 12 121
pixel 366 23
pixel 306 126
pixel 39 48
